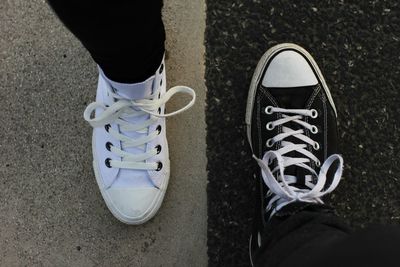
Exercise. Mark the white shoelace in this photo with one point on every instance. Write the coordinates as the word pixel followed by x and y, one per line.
pixel 124 108
pixel 280 185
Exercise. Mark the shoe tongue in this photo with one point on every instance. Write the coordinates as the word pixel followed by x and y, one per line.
pixel 131 90
pixel 298 172
pixel 134 90
pixel 292 98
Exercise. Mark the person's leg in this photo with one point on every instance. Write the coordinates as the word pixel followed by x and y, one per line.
pixel 291 126
pixel 125 38
pixel 130 149
pixel 314 237
pixel 296 235
pixel 372 247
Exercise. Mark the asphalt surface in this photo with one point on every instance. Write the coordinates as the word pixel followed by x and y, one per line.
pixel 356 44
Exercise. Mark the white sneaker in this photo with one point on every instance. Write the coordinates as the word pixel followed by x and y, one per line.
pixel 130 150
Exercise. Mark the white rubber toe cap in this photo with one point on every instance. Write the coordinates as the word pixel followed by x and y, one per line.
pixel 133 205
pixel 289 69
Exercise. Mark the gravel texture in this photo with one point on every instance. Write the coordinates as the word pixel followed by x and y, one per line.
pixel 356 44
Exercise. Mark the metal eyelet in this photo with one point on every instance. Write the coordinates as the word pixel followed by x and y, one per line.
pixel 159 166
pixel 107 127
pixel 314 113
pixel 316 146
pixel 158 147
pixel 107 162
pixel 314 129
pixel 268 110
pixel 108 146
pixel 270 126
pixel 318 163
pixel 269 143
pixel 158 129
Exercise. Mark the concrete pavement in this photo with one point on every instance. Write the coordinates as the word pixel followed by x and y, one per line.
pixel 51 211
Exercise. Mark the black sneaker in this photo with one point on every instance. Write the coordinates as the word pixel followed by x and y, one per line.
pixel 291 127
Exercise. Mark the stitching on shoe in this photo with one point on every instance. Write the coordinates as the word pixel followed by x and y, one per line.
pixel 310 102
pixel 323 99
pixel 273 101
pixel 259 126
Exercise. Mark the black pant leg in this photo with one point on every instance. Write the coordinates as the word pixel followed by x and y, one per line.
pixel 125 38
pixel 316 237
pixel 293 239
pixel 372 247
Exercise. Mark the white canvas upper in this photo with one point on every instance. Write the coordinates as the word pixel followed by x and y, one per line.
pixel 289 69
pixel 132 188
pixel 131 90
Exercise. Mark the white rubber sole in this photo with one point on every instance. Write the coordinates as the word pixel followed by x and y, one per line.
pixel 260 70
pixel 150 212
pixel 251 258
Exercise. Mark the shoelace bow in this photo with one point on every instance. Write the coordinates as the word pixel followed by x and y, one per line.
pixel 281 186
pixel 123 109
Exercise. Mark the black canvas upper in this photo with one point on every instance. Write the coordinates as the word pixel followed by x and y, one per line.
pixel 308 97
pixel 311 97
